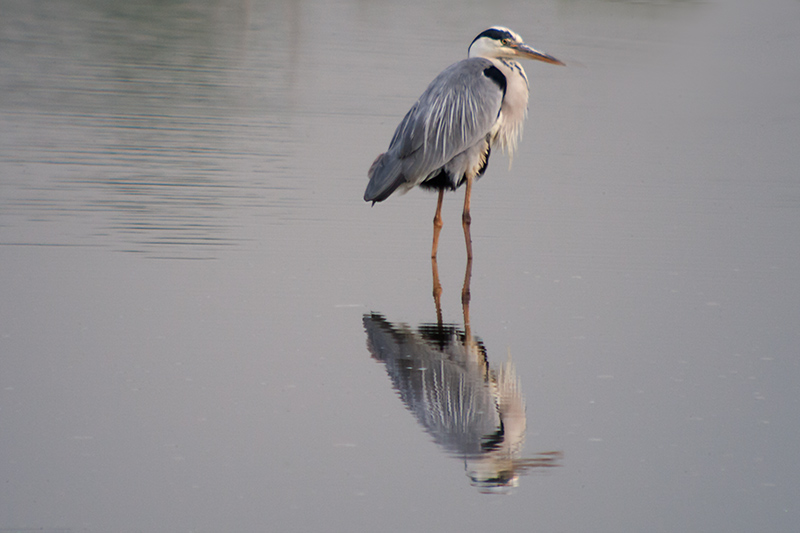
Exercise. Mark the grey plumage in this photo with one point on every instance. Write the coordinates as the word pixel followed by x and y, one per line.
pixel 469 107
pixel 446 129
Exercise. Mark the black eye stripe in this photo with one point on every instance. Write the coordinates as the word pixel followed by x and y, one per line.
pixel 494 33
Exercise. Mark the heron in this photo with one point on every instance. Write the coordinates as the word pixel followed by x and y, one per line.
pixel 445 139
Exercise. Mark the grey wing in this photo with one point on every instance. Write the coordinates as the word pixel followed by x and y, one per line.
pixel 456 111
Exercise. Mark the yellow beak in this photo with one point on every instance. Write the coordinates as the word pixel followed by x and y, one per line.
pixel 523 50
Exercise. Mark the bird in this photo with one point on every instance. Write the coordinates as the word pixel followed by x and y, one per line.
pixel 445 139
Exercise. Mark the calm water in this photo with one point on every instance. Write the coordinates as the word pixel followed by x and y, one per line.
pixel 204 328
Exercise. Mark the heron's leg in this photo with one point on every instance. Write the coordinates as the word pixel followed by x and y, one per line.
pixel 466 218
pixel 437 225
pixel 437 291
pixel 469 341
pixel 465 292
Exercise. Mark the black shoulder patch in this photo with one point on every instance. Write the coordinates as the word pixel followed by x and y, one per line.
pixel 494 74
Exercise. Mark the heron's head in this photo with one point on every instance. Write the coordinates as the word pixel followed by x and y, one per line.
pixel 502 43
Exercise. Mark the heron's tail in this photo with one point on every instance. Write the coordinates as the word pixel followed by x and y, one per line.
pixel 385 175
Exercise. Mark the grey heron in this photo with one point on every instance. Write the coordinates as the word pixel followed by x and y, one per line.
pixel 446 137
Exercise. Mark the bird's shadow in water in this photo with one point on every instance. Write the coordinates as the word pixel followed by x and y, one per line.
pixel 474 410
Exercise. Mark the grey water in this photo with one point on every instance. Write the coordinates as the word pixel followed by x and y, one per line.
pixel 203 327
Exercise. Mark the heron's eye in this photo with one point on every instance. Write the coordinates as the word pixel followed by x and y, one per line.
pixel 506 42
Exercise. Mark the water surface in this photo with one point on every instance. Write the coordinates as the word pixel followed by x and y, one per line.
pixel 192 285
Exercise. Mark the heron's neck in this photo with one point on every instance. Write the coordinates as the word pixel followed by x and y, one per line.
pixel 515 104
pixel 515 67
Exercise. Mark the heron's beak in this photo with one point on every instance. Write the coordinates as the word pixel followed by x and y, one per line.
pixel 525 51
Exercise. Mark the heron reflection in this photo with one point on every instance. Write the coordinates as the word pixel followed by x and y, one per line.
pixel 472 409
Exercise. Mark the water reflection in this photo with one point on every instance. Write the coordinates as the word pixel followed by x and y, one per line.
pixel 472 409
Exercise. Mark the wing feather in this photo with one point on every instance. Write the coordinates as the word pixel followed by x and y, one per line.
pixel 456 111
